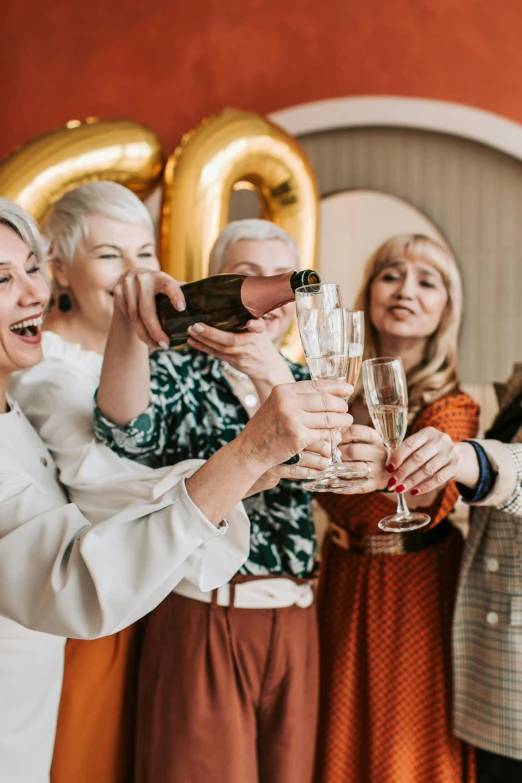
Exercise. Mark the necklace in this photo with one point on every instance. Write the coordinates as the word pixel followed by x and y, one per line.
pixel 250 400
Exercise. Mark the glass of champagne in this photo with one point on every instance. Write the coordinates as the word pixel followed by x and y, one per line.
pixel 353 352
pixel 320 318
pixel 386 395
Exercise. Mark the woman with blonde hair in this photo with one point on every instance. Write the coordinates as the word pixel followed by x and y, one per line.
pixel 386 599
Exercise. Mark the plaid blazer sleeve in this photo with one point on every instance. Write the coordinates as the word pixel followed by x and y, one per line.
pixel 506 460
pixel 487 628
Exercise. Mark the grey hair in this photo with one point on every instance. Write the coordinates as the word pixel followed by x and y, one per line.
pixel 240 230
pixel 14 217
pixel 66 224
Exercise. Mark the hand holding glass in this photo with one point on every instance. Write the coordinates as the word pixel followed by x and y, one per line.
pixel 386 395
pixel 320 318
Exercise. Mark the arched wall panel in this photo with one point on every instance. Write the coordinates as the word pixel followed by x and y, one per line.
pixel 473 194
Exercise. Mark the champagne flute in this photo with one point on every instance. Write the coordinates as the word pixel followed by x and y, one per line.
pixel 353 352
pixel 320 318
pixel 386 394
pixel 353 344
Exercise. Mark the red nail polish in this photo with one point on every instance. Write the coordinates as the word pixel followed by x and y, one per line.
pixel 390 467
pixel 415 491
pixel 392 481
pixel 400 488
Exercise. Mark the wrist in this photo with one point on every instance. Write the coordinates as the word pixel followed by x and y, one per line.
pixel 273 374
pixel 122 333
pixel 468 470
pixel 247 458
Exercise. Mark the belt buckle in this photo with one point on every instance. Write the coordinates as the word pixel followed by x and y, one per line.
pixel 386 544
pixel 339 536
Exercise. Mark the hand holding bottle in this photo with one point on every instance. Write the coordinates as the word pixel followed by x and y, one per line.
pixel 251 352
pixel 135 296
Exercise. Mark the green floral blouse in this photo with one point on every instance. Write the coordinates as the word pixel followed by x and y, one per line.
pixel 192 413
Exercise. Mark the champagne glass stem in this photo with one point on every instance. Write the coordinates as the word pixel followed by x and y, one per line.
pixel 335 458
pixel 402 508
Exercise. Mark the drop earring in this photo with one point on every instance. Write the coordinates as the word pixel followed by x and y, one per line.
pixel 64 303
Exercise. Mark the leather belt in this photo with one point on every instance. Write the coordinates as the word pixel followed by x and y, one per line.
pixel 389 543
pixel 266 592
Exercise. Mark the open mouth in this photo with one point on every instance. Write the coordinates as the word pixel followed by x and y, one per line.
pixel 28 329
pixel 399 310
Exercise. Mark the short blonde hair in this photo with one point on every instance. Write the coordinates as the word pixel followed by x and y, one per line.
pixel 242 230
pixel 66 224
pixel 14 217
pixel 437 375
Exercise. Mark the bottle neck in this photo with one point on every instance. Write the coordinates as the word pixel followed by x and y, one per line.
pixel 261 295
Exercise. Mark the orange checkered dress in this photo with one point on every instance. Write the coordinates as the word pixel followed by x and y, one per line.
pixel 385 634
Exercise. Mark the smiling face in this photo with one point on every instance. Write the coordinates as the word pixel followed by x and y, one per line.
pixel 407 300
pixel 24 294
pixel 110 249
pixel 264 257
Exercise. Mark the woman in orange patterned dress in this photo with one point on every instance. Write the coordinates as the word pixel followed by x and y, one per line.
pixel 386 599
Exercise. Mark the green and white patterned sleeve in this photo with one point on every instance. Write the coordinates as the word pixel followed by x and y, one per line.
pixel 144 438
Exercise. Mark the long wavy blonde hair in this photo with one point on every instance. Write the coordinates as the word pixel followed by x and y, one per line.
pixel 437 374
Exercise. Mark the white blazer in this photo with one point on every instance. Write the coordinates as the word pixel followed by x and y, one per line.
pixel 82 575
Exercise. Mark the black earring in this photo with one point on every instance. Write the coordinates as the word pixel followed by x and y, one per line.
pixel 64 303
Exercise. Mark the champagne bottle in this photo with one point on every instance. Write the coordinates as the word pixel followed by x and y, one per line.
pixel 229 301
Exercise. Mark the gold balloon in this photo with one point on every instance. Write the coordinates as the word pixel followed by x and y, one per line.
pixel 230 148
pixel 40 172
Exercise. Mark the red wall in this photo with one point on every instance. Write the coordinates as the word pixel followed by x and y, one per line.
pixel 168 63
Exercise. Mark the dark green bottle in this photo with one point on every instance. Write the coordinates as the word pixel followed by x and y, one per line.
pixel 229 301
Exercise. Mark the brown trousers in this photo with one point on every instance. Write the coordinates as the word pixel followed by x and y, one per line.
pixel 95 732
pixel 227 695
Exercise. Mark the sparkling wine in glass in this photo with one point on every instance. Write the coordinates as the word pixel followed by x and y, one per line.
pixel 353 351
pixel 353 344
pixel 320 318
pixel 386 395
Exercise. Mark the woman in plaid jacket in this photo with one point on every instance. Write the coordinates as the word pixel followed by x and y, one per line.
pixel 487 630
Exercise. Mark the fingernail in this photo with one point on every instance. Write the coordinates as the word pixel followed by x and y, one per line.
pixel 415 491
pixel 180 305
pixel 390 467
pixel 338 437
pixel 400 488
pixel 198 328
pixel 392 481
pixel 164 346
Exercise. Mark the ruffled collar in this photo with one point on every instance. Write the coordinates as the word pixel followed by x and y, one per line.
pixel 54 347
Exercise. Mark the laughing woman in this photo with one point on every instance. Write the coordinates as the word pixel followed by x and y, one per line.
pixel 96 232
pixel 386 600
pixel 59 576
